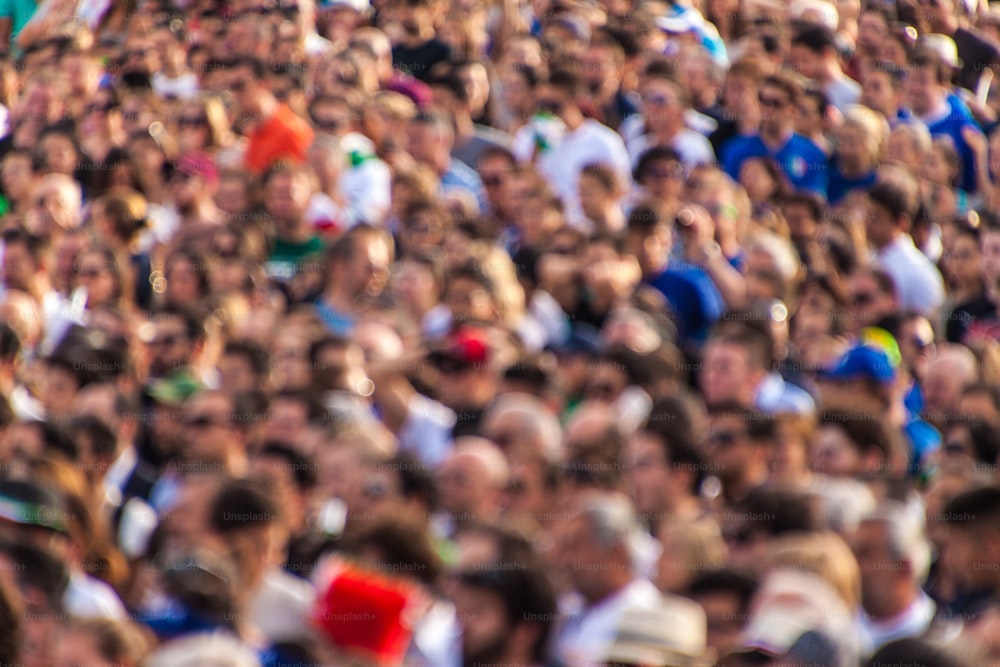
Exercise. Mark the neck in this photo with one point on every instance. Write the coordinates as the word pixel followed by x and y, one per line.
pixel 615 585
pixel 340 301
pixel 775 136
pixel 893 605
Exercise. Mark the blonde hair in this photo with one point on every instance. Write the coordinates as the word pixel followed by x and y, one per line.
pixel 508 293
pixel 872 125
pixel 698 543
pixel 824 554
pixel 393 105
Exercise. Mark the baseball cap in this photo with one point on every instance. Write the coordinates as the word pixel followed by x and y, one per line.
pixel 466 346
pixel 875 356
pixel 28 504
pixel 173 390
pixel 198 164
pixel 673 633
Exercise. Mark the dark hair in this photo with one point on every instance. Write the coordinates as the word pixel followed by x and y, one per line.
pixel 778 512
pixel 257 66
pixel 813 202
pixel 10 343
pixel 102 439
pixel 916 652
pixel 403 547
pixel 567 81
pixel 241 504
pixel 815 37
pixel 726 581
pixel 896 73
pixel 899 200
pixel 786 84
pixel 648 217
pixel 651 156
pixel 925 58
pixel 976 510
pixel 302 467
pixel 748 330
pixel 416 481
pixel 984 436
pixel 35 244
pixel 40 570
pixel 194 324
pixel 867 432
pixel 257 356
pixel 671 422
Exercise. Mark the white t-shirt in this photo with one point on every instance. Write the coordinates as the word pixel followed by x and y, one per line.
pixel 693 148
pixel 592 142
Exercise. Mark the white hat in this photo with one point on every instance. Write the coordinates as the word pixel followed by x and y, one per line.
pixel 671 634
pixel 360 6
pixel 944 46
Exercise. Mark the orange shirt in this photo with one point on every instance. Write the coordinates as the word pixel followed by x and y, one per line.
pixel 283 135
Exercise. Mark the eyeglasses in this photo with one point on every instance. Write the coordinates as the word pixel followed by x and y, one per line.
pixel 725 439
pixel 192 121
pixel 166 341
pixel 492 181
pixel 332 125
pixel 99 108
pixel 202 421
pixel 551 106
pixel 657 100
pixel 675 171
pixel 771 102
pixel 863 299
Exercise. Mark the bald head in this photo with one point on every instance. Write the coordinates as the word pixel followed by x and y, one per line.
pixel 521 424
pixel 473 480
pixel 952 369
pixel 591 423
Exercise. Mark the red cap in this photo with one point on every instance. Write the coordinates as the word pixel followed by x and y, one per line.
pixel 467 346
pixel 366 613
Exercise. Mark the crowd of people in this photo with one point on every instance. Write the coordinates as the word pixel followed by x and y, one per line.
pixel 456 333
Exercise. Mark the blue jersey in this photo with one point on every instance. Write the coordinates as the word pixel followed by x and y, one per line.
pixel 959 117
pixel 802 161
pixel 694 299
pixel 839 185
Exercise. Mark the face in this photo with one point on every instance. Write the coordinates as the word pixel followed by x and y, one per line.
pixel 776 109
pixel 923 90
pixel 834 454
pixel 59 388
pixel 963 262
pixel 878 568
pixel 78 648
pixel 880 226
pixel 59 153
pixel 851 147
pixel 664 179
pixel 18 267
pixel 16 175
pixel 804 61
pixel 208 429
pixel 790 452
pixel 286 198
pixel 942 387
pixel 878 93
pixel 936 169
pixel 727 374
pixel 469 301
pixel 424 143
pixel 763 276
pixel 462 482
pixel 648 473
pixel 662 106
pixel 484 624
pixel 758 183
pixel 872 32
pixel 183 284
pixel 990 244
pixel 170 347
pixel 729 446
pixel 94 273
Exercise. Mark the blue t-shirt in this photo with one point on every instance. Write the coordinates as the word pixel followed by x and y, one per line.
pixel 951 126
pixel 694 299
pixel 802 161
pixel 839 185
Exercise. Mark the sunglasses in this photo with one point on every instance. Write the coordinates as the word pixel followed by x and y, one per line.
pixel 202 421
pixel 771 102
pixel 99 108
pixel 551 106
pixel 239 86
pixel 192 121
pixel 863 299
pixel 725 438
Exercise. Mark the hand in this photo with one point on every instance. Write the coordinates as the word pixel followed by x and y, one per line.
pixel 975 140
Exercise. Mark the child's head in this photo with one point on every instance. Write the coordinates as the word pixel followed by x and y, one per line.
pixel 943 163
pixel 599 187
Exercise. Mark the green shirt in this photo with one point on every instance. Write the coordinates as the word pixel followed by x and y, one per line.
pixel 19 12
pixel 286 258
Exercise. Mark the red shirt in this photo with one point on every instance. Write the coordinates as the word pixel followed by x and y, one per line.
pixel 283 135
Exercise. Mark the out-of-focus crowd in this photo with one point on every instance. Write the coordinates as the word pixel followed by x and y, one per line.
pixel 467 333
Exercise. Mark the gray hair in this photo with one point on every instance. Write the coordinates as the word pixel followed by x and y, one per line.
pixel 905 522
pixel 543 426
pixel 206 650
pixel 612 520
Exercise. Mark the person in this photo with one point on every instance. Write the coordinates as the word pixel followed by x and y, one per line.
pixel 430 142
pixel 894 556
pixel 801 161
pixel 814 54
pixel 891 209
pixel 585 142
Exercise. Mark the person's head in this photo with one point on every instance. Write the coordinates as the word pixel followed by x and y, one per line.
pixel 739 443
pixel 178 335
pixel 688 547
pixel 507 605
pixel 649 237
pixel 23 259
pixel 98 269
pixel 861 138
pixel 430 140
pixel 599 188
pixel 962 259
pixel 872 296
pixel 664 102
pixel 852 444
pixel 971 553
pixel 735 361
pixel 725 596
pixel 473 479
pixel 358 262
pixel 793 435
pixel 660 172
pixel 943 164
pixel 560 96
pixel 882 88
pixel 423 226
pixel 18 172
pixel 873 30
pixel 893 555
pixel 56 205
pixel 779 98
pixel 595 545
pixel 813 47
pixel 287 190
pixel 664 465
pixel 927 81
pixel 953 368
pixel 245 517
pixel 245 79
pixel 100 642
pixel 890 207
pixel 214 428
